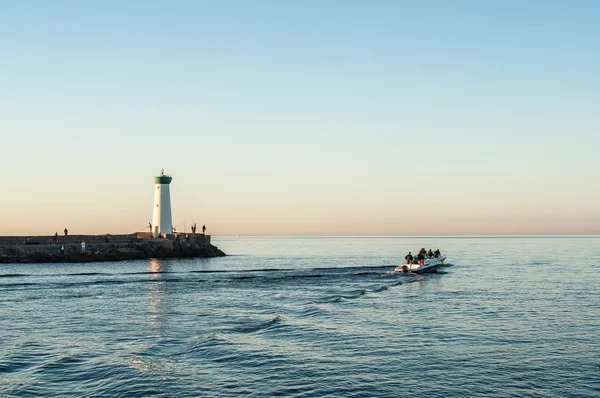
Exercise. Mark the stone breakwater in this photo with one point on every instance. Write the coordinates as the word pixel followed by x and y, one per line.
pixel 45 249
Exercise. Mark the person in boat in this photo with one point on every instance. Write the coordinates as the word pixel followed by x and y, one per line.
pixel 421 256
pixel 430 254
pixel 408 258
pixel 437 253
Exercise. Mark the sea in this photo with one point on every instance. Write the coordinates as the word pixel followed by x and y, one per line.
pixel 310 317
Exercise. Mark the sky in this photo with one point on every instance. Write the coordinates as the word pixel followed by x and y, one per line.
pixel 301 117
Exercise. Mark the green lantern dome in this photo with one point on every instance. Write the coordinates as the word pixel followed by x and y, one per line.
pixel 163 178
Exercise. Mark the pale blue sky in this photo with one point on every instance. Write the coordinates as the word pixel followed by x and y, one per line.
pixel 311 117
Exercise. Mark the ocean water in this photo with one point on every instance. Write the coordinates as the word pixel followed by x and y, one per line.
pixel 310 317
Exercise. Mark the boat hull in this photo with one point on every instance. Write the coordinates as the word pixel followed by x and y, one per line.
pixel 430 266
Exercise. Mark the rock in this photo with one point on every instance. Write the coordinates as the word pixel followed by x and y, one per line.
pixel 112 256
pixel 120 247
pixel 127 253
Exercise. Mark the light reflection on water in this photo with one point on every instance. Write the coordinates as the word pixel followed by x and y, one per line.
pixel 309 317
pixel 156 293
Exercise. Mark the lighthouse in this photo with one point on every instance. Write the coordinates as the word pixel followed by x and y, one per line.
pixel 162 222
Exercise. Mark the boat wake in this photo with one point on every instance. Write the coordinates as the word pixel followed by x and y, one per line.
pixel 255 327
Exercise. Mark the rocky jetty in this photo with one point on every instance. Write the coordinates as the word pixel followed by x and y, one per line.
pixel 45 249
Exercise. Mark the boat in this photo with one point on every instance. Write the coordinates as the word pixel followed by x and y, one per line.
pixel 430 265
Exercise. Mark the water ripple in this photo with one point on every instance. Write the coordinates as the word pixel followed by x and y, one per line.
pixel 309 318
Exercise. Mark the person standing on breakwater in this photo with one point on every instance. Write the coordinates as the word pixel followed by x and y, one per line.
pixel 204 230
pixel 56 237
pixel 66 232
pixel 150 226
pixel 82 247
pixel 62 250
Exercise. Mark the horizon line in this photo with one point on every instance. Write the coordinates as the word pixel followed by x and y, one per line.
pixel 352 236
pixel 412 236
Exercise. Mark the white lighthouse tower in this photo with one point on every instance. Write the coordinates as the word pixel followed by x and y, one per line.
pixel 162 222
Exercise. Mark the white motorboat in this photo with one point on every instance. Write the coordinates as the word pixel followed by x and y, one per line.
pixel 429 266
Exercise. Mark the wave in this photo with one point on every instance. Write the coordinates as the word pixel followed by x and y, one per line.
pixel 255 327
pixel 279 276
pixel 8 285
pixel 351 268
pixel 85 274
pixel 311 310
pixel 358 270
pixel 370 273
pixel 380 289
pixel 211 340
pixel 210 271
pixel 103 282
pixel 338 297
pixel 145 273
